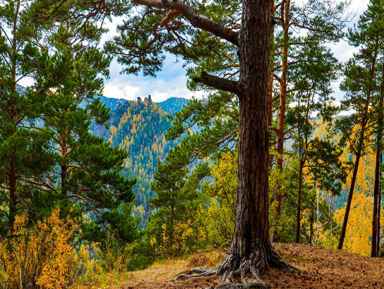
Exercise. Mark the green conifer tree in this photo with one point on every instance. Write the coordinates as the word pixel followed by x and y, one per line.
pixel 86 173
pixel 176 195
pixel 24 154
pixel 362 87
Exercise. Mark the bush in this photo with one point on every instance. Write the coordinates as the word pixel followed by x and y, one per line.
pixel 39 257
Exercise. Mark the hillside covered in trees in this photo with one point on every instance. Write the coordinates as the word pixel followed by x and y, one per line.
pixel 93 188
pixel 140 127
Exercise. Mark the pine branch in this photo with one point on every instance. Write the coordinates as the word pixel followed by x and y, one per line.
pixel 218 83
pixel 196 21
pixel 273 128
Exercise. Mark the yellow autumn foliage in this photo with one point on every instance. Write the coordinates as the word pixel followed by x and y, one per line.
pixel 219 219
pixel 359 228
pixel 184 235
pixel 38 257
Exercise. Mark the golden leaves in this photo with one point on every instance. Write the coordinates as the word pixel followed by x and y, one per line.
pixel 41 255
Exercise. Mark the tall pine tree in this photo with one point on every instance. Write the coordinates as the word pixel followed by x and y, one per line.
pixel 362 86
pixel 24 154
pixel 86 172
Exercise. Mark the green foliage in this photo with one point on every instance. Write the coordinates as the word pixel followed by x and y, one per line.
pixel 175 233
pixel 363 77
pixel 48 156
pixel 86 170
pixel 24 155
pixel 219 216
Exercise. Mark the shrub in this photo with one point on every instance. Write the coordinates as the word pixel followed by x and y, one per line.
pixel 38 257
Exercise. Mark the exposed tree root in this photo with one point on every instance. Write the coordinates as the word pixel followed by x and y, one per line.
pixel 199 272
pixel 246 269
pixel 275 261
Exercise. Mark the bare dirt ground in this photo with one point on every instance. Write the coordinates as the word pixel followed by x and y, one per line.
pixel 320 268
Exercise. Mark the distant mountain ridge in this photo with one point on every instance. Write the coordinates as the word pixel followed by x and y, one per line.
pixel 111 103
pixel 170 105
pixel 173 104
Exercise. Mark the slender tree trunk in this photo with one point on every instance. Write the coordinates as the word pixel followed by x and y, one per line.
pixel 303 159
pixel 376 204
pixel 13 117
pixel 311 221
pixel 351 189
pixel 378 217
pixel 64 166
pixel 12 194
pixel 285 7
pixel 171 232
pixel 12 172
pixel 298 215
pixel 376 190
pixel 359 151
pixel 317 216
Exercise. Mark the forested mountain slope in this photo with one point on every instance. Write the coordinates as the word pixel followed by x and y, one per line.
pixel 140 127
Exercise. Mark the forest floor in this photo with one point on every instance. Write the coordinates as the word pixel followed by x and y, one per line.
pixel 320 268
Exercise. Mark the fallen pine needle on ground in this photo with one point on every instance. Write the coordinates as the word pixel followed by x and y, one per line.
pixel 320 268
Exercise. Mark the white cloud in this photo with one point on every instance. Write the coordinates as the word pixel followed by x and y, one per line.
pixel 131 87
pixel 26 81
pixel 117 89
pixel 171 81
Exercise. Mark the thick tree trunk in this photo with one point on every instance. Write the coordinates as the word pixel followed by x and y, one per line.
pixel 251 251
pixel 376 191
pixel 251 226
pixel 271 70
